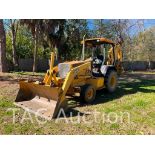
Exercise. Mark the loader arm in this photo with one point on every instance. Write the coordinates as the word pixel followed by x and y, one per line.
pixel 74 73
pixel 51 73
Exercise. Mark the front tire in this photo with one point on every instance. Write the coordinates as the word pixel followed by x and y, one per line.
pixel 88 93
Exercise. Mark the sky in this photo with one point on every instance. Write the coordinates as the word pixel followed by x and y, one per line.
pixel 147 23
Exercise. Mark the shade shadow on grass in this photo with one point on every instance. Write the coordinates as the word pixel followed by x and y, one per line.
pixel 125 88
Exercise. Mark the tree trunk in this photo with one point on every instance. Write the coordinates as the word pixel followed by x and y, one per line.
pixel 56 53
pixel 15 61
pixel 149 59
pixel 3 63
pixel 35 50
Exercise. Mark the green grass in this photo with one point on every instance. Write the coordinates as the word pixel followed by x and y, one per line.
pixel 135 96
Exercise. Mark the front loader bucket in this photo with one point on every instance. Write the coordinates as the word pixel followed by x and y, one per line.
pixel 41 100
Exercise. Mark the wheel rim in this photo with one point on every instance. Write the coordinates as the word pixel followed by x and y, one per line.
pixel 113 81
pixel 90 94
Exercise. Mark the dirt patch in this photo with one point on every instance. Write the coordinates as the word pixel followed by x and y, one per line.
pixel 9 83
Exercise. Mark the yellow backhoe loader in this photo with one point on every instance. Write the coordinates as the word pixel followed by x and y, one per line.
pixel 86 76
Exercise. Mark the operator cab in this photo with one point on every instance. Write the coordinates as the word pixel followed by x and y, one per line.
pixel 98 57
pixel 98 48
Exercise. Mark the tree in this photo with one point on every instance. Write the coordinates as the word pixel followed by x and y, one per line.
pixel 3 63
pixel 45 31
pixel 53 34
pixel 34 26
pixel 149 45
pixel 14 28
pixel 103 28
pixel 144 46
pixel 75 29
pixel 119 27
pixel 100 28
pixel 24 45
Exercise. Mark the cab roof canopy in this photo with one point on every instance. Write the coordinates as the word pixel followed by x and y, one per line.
pixel 97 41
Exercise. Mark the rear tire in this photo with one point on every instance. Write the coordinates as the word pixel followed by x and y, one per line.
pixel 88 93
pixel 111 81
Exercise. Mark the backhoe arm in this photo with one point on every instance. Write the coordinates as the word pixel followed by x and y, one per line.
pixel 115 58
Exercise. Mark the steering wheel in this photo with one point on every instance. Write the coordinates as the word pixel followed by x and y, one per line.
pixel 97 61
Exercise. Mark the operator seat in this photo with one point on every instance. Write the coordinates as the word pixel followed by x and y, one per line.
pixel 100 57
pixel 97 63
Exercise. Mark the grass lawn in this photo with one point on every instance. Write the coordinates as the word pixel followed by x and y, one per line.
pixel 133 103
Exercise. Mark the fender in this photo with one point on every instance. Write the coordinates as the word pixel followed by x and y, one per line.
pixel 105 68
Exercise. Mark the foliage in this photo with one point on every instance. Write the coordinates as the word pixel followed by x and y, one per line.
pixel 3 62
pixel 142 47
pixel 75 29
pixel 23 43
pixel 64 36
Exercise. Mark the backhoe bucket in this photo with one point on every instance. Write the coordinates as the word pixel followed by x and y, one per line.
pixel 42 100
